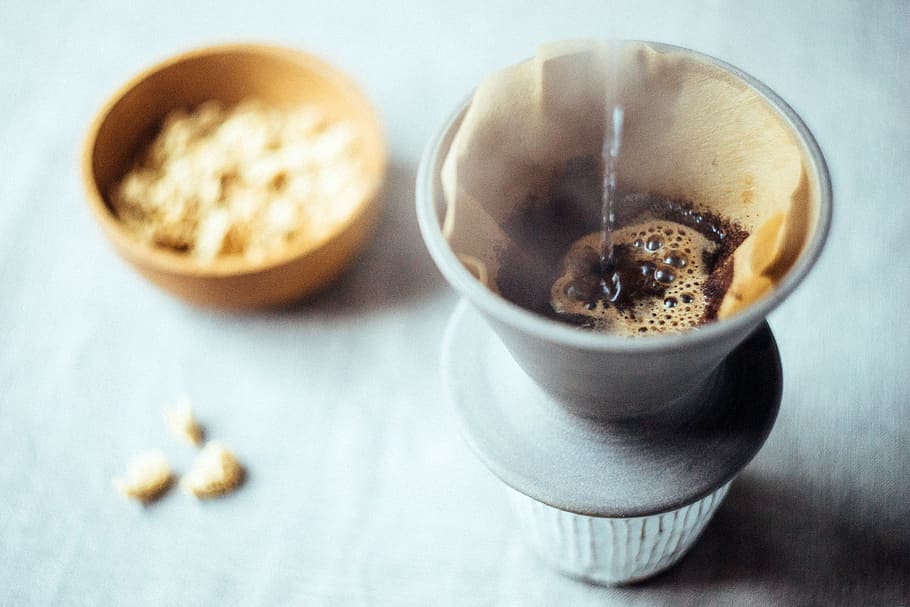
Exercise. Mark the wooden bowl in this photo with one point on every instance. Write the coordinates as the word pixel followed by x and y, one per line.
pixel 230 74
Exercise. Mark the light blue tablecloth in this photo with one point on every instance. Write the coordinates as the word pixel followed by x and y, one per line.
pixel 360 490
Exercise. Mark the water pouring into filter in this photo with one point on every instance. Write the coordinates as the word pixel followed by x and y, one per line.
pixel 610 155
pixel 660 278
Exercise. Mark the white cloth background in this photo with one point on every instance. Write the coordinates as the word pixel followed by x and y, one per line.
pixel 360 490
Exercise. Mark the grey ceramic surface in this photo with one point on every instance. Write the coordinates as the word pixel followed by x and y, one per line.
pixel 607 468
pixel 600 375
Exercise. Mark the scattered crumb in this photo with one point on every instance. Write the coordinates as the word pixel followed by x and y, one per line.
pixel 148 475
pixel 182 422
pixel 243 180
pixel 215 472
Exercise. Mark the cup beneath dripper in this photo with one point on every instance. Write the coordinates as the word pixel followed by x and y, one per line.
pixel 715 139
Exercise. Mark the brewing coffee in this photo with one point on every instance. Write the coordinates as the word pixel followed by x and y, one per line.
pixel 669 272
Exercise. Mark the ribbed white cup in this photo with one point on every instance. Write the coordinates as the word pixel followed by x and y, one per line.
pixel 612 551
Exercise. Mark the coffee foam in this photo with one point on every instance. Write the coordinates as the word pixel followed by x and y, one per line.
pixel 657 246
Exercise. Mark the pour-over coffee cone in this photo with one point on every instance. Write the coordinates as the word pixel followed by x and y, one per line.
pixel 695 131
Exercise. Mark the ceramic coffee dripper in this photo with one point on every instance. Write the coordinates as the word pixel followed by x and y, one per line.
pixel 599 433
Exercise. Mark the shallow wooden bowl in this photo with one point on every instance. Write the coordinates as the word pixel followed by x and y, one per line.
pixel 230 73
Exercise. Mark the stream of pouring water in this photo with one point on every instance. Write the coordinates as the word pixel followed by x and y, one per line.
pixel 610 153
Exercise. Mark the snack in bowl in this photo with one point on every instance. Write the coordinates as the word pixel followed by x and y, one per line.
pixel 237 176
pixel 242 180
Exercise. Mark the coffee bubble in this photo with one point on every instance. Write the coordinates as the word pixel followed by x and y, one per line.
pixel 647 268
pixel 676 260
pixel 654 243
pixel 664 276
